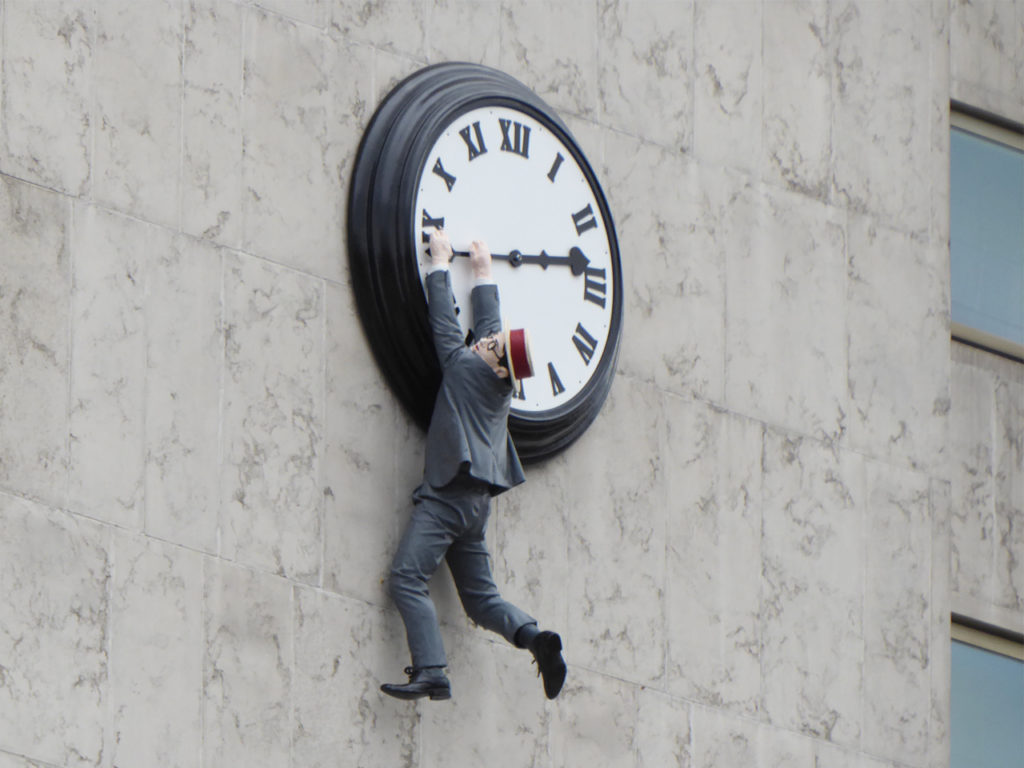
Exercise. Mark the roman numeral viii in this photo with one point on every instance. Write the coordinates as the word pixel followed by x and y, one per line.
pixel 586 344
pixel 519 140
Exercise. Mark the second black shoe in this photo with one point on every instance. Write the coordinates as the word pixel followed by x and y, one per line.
pixel 547 652
pixel 425 681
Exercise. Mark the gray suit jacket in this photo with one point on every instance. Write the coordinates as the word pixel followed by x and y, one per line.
pixel 469 426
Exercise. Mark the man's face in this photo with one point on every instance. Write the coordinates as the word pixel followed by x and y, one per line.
pixel 491 350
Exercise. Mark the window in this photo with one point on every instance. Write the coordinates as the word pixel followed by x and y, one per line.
pixel 987 234
pixel 986 700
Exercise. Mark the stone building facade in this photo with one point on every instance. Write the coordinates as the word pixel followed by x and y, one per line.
pixel 754 552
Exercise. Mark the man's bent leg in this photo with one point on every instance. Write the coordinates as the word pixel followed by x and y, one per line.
pixel 470 564
pixel 423 545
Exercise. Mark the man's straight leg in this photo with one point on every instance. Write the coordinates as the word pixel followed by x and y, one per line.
pixel 427 536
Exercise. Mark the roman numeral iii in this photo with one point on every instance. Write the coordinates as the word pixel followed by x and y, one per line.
pixel 594 286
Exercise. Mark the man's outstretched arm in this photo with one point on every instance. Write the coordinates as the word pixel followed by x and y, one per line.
pixel 440 300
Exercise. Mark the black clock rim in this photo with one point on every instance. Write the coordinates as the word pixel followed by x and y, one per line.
pixel 391 158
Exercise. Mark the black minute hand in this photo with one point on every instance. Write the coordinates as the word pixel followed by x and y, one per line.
pixel 576 261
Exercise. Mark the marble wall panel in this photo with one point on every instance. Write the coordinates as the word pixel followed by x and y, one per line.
pixel 830 755
pixel 273 413
pixel 898 381
pixel 529 540
pixel 617 533
pixel 595 722
pixel 972 467
pixel 392 25
pixel 211 182
pixel 17 761
pixel 552 48
pixel 45 118
pixel 497 714
pixel 897 614
pixel 366 499
pixel 987 472
pixel 313 12
pixel 662 730
pixel 882 109
pixel 184 365
pixel 673 240
pixel 445 25
pixel 797 83
pixel 137 112
pixel 111 257
pixel 645 69
pixel 1009 488
pixel 778 748
pixel 940 651
pixel 812 591
pixel 248 657
pixel 294 188
pixel 344 649
pixel 722 739
pixel 714 557
pixel 785 325
pixel 54 642
pixel 156 633
pixel 35 299
pixel 986 55
pixel 938 180
pixel 728 75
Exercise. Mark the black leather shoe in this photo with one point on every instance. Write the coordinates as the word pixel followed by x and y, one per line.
pixel 425 681
pixel 547 652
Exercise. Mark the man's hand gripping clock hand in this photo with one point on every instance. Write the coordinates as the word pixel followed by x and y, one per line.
pixel 440 248
pixel 480 261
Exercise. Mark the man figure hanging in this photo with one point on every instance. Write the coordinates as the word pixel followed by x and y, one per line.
pixel 470 457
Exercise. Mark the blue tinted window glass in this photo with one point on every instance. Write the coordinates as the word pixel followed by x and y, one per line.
pixel 987 235
pixel 986 709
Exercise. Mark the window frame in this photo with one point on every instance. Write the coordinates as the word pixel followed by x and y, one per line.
pixel 987 638
pixel 1010 134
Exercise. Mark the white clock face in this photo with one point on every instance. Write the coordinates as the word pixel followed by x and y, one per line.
pixel 500 175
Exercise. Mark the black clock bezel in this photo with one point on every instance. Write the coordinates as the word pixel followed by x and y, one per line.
pixel 382 255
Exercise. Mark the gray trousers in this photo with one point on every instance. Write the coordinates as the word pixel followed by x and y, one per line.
pixel 449 523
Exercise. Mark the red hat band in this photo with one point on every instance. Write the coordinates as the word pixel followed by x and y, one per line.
pixel 519 353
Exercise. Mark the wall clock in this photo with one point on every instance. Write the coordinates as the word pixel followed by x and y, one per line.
pixel 474 150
